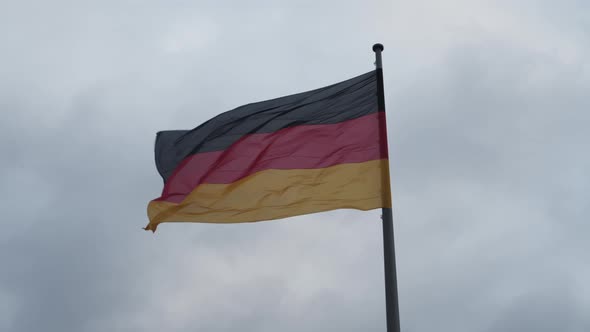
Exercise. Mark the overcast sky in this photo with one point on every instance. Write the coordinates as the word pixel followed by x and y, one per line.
pixel 488 110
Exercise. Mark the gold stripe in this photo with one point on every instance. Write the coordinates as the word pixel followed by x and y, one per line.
pixel 274 194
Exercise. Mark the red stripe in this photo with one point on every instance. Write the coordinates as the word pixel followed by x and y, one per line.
pixel 301 147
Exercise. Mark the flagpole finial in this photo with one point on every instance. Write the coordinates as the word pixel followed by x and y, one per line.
pixel 378 47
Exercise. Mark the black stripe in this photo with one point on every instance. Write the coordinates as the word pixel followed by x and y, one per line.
pixel 339 102
pixel 167 156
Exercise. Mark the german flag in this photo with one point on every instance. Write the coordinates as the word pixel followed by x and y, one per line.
pixel 315 151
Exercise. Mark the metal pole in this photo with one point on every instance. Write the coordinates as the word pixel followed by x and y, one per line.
pixel 391 298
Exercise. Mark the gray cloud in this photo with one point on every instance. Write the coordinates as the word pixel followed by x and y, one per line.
pixel 487 115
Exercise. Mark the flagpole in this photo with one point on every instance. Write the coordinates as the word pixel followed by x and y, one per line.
pixel 391 298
